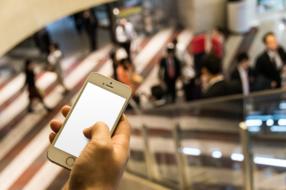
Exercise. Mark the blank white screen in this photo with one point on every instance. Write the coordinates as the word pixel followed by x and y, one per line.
pixel 95 105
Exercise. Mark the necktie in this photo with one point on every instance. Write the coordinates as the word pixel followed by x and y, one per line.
pixel 171 69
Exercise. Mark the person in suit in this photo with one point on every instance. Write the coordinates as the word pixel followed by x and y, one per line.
pixel 170 72
pixel 213 81
pixel 270 63
pixel 242 75
pixel 90 24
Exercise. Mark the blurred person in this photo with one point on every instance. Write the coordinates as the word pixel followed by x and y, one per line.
pixel 30 83
pixel 217 42
pixel 189 82
pixel 90 24
pixel 43 40
pixel 102 162
pixel 181 53
pixel 213 81
pixel 198 49
pixel 125 33
pixel 127 75
pixel 190 87
pixel 54 60
pixel 270 63
pixel 170 72
pixel 125 72
pixel 242 74
pixel 114 60
pixel 78 22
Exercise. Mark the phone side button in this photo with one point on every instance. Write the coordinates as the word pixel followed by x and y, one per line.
pixel 70 161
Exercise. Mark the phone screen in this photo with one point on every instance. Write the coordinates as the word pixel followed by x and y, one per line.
pixel 95 104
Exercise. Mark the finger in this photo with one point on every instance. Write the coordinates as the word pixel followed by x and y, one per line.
pixel 56 125
pixel 52 137
pixel 123 127
pixel 121 137
pixel 98 132
pixel 65 110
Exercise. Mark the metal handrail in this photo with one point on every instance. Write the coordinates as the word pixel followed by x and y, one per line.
pixel 242 132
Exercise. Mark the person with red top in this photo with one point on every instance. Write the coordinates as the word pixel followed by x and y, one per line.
pixel 124 72
pixel 198 49
pixel 217 43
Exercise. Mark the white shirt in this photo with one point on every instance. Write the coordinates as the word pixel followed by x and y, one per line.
pixel 125 34
pixel 213 81
pixel 276 57
pixel 244 80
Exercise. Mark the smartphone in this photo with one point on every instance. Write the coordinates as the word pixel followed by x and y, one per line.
pixel 101 99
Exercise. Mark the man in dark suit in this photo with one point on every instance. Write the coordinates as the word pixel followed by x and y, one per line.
pixel 242 75
pixel 170 72
pixel 213 81
pixel 90 24
pixel 270 63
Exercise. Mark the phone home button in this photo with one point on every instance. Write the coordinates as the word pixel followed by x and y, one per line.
pixel 70 161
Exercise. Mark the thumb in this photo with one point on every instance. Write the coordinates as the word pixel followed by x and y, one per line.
pixel 98 132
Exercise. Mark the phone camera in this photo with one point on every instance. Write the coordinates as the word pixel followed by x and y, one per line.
pixel 110 83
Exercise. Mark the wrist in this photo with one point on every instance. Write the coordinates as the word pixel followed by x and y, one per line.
pixel 83 186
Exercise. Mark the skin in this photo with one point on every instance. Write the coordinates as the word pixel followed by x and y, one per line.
pixel 245 64
pixel 271 43
pixel 102 162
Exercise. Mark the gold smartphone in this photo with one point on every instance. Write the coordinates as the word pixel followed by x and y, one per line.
pixel 101 99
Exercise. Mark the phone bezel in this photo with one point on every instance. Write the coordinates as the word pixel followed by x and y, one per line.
pixel 60 157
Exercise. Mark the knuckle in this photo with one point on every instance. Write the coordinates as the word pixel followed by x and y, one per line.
pixel 101 146
pixel 100 124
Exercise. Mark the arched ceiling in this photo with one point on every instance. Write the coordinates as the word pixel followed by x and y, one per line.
pixel 19 19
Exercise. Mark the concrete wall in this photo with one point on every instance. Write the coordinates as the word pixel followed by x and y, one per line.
pixel 202 15
pixel 21 18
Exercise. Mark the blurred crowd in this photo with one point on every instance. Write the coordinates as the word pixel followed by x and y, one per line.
pixel 184 74
pixel 197 72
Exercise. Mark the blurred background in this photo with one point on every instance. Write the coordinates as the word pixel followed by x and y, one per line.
pixel 208 77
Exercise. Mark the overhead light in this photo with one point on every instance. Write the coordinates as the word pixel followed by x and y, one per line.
pixel 282 106
pixel 217 154
pixel 270 122
pixel 253 122
pixel 270 162
pixel 278 129
pixel 237 157
pixel 116 11
pixel 282 122
pixel 191 151
pixel 254 129
pixel 259 160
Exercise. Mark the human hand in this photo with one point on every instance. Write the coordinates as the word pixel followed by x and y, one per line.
pixel 103 160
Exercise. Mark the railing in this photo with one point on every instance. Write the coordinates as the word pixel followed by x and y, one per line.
pixel 225 143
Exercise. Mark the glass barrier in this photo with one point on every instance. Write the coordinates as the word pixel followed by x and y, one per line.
pixel 224 143
pixel 266 126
